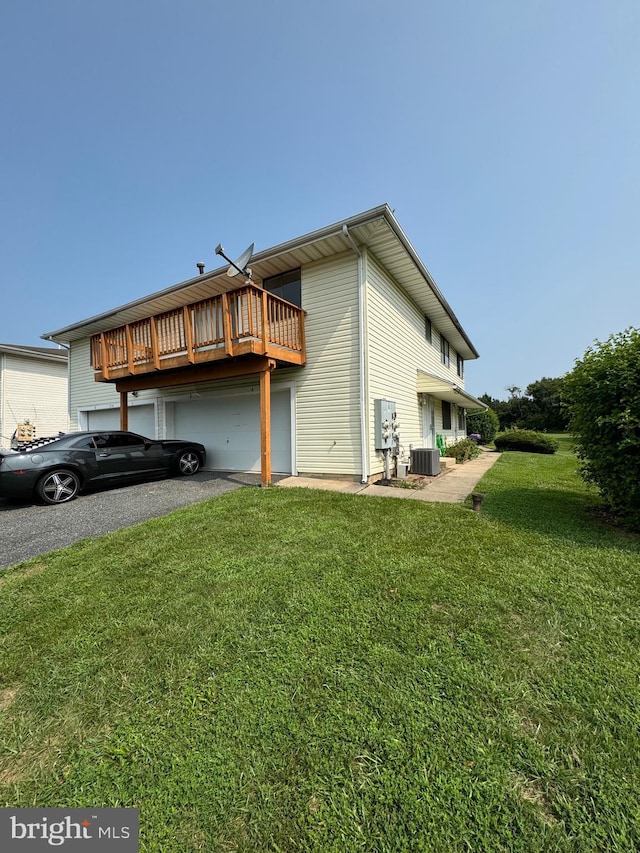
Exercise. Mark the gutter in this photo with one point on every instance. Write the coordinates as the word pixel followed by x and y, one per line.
pixel 364 449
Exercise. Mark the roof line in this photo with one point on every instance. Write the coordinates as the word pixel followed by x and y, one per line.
pixel 34 352
pixel 397 228
pixel 382 211
pixel 279 249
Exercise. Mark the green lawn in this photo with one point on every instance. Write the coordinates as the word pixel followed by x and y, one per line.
pixel 294 670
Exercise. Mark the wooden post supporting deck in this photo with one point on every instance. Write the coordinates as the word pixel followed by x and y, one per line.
pixel 265 422
pixel 124 411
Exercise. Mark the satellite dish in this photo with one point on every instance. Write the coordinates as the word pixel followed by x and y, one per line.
pixel 239 266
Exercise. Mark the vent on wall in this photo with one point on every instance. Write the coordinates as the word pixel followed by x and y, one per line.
pixel 426 461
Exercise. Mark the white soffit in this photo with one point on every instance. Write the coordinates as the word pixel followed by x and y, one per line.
pixel 427 383
pixel 377 229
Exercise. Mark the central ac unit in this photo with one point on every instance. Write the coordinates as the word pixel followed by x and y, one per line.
pixel 425 460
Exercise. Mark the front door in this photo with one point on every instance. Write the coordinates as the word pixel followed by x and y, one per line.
pixel 428 423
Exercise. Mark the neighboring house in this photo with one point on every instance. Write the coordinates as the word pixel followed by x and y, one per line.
pixel 34 389
pixel 281 373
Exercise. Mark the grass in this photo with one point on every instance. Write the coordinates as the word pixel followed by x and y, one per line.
pixel 296 670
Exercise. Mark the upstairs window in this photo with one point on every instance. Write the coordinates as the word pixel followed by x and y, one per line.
pixel 460 366
pixel 286 285
pixel 427 329
pixel 444 351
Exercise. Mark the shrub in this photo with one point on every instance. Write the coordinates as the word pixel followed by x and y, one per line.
pixel 603 395
pixel 462 450
pixel 484 422
pixel 527 441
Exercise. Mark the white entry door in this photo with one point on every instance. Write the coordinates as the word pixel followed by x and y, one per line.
pixel 429 423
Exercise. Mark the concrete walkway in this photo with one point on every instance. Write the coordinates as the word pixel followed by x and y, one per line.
pixel 453 486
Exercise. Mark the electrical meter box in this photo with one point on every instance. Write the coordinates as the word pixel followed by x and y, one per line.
pixel 385 424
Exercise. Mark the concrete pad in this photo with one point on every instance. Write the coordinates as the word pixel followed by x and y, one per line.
pixel 346 486
pixel 454 485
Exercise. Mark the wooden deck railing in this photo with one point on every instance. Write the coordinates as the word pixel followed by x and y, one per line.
pixel 245 321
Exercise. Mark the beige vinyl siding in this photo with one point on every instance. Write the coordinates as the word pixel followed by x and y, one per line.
pixel 4 438
pixel 35 390
pixel 327 388
pixel 397 344
pixel 397 349
pixel 450 372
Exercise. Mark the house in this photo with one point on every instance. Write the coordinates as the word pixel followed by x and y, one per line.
pixel 280 372
pixel 33 391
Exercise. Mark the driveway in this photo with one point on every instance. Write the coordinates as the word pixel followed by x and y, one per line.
pixel 28 530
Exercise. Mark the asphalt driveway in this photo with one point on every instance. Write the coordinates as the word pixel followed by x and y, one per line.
pixel 28 530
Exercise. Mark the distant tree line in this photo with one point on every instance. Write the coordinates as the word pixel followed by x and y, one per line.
pixel 541 407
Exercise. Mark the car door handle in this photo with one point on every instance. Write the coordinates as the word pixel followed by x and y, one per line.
pixel 103 454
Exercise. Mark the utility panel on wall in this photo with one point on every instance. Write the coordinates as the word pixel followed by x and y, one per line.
pixel 384 422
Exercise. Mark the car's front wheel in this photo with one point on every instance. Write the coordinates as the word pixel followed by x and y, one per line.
pixel 188 462
pixel 58 487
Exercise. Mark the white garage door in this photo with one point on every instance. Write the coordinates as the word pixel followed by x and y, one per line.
pixel 229 428
pixel 142 420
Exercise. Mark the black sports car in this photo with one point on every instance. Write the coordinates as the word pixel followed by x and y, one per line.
pixel 57 469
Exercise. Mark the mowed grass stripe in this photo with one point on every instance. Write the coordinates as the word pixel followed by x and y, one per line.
pixel 300 670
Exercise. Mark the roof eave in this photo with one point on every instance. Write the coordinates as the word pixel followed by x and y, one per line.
pixel 383 211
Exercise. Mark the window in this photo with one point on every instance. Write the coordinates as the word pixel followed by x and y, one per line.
pixel 461 419
pixel 85 443
pixel 118 439
pixel 427 329
pixel 444 351
pixel 286 285
pixel 446 415
pixel 460 366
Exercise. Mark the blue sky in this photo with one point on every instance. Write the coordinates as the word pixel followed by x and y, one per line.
pixel 506 136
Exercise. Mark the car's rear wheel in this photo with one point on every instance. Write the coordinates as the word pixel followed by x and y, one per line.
pixel 188 462
pixel 58 487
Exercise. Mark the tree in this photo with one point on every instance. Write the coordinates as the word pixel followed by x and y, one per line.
pixel 540 408
pixel 515 410
pixel 547 412
pixel 603 393
pixel 482 422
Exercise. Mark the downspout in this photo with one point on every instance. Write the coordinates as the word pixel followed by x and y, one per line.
pixel 364 446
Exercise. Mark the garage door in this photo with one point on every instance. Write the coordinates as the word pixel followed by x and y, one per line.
pixel 229 428
pixel 142 420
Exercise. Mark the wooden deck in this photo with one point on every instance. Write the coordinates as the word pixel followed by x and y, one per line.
pixel 243 322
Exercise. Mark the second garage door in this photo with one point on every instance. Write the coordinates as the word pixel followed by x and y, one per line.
pixel 229 428
pixel 142 419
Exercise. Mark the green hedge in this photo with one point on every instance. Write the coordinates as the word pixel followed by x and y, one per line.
pixel 462 450
pixel 603 393
pixel 482 422
pixel 526 440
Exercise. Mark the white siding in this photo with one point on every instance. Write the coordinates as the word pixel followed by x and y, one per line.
pixel 35 390
pixel 327 399
pixel 397 349
pixel 4 440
